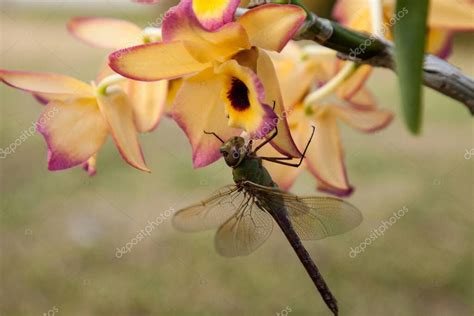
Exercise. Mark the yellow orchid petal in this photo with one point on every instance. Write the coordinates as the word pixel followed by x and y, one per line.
pixel 355 82
pixel 220 45
pixel 205 46
pixel 363 100
pixel 213 14
pixel 360 20
pixel 48 86
pixel 74 131
pixel 244 97
pixel 284 143
pixel 117 111
pixel 325 157
pixel 299 70
pixel 440 42
pixel 365 121
pixel 345 9
pixel 272 26
pixel 357 14
pixel 90 166
pixel 451 15
pixel 294 74
pixel 198 107
pixel 173 87
pixel 148 100
pixel 105 32
pixel 155 61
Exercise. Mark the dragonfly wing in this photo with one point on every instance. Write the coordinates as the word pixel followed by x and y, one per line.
pixel 244 232
pixel 312 217
pixel 323 216
pixel 210 213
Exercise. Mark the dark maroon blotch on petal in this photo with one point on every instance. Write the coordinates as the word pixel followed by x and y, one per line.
pixel 239 95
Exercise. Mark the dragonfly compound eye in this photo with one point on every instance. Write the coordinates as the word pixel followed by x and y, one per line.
pixel 235 153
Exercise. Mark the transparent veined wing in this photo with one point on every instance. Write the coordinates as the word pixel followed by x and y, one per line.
pixel 244 232
pixel 210 213
pixel 243 226
pixel 323 216
pixel 312 217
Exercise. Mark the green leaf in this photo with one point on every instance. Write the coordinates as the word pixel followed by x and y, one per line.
pixel 410 37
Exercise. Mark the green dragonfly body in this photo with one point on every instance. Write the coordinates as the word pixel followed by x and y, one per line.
pixel 244 213
pixel 252 169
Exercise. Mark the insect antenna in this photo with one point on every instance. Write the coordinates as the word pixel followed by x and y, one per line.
pixel 214 134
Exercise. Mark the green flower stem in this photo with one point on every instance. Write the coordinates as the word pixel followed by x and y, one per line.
pixel 335 36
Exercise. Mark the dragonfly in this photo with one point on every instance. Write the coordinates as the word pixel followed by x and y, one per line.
pixel 244 213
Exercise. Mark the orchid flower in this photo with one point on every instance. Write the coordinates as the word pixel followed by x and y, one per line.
pixel 227 71
pixel 444 19
pixel 148 99
pixel 78 118
pixel 298 72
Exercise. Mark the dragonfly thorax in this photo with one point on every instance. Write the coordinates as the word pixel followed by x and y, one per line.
pixel 251 169
pixel 246 166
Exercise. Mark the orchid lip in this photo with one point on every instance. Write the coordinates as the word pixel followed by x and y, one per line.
pixel 239 95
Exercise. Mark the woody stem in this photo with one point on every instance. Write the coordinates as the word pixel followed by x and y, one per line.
pixel 367 49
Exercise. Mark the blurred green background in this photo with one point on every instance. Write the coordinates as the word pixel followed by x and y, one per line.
pixel 59 231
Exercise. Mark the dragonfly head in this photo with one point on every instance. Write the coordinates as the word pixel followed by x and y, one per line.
pixel 234 151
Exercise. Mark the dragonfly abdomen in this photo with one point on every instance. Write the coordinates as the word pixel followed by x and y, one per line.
pixel 280 215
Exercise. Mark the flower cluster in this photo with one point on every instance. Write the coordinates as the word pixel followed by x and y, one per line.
pixel 209 69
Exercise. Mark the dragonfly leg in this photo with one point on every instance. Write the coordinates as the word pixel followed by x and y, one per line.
pixel 266 141
pixel 281 160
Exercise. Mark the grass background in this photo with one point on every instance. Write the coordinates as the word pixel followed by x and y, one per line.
pixel 59 231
